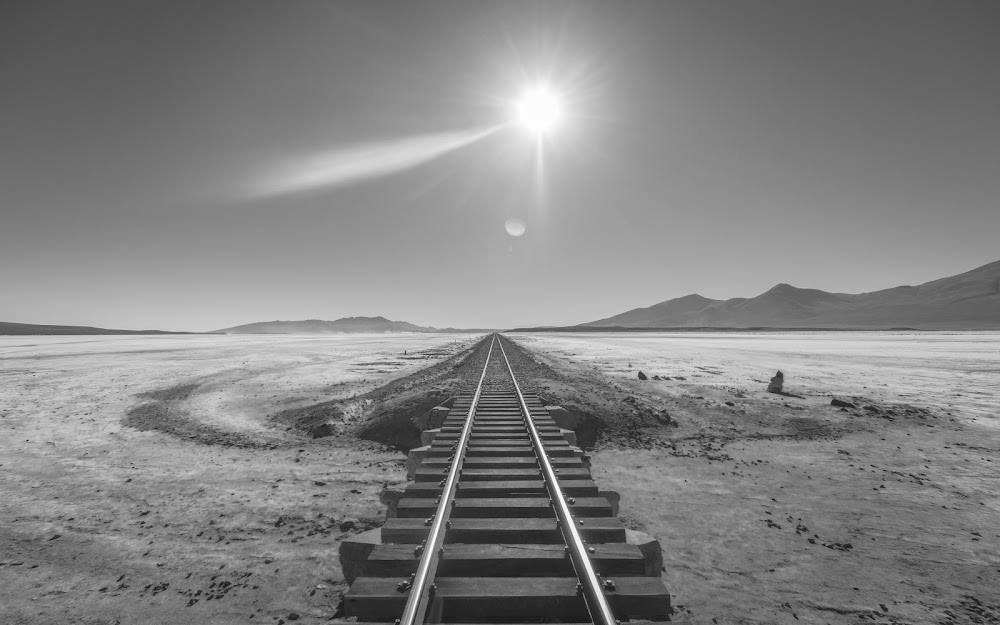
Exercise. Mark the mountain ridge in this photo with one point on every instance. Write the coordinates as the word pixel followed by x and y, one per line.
pixel 318 326
pixel 966 301
pixel 10 328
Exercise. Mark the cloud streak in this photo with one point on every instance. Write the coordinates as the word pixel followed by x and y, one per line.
pixel 360 162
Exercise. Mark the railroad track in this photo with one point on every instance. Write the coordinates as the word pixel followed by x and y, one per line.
pixel 504 524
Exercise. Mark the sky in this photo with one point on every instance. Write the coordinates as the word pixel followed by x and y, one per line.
pixel 199 165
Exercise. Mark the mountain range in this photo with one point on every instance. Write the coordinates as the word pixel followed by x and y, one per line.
pixel 967 301
pixel 318 326
pixel 970 300
pixel 8 328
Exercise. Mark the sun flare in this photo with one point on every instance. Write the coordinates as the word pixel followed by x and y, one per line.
pixel 538 110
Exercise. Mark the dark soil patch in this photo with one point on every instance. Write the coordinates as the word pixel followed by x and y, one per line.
pixel 606 413
pixel 395 421
pixel 169 418
pixel 166 414
pixel 393 416
pixel 397 408
pixel 972 610
pixel 317 421
pixel 174 393
pixel 801 427
pixel 394 413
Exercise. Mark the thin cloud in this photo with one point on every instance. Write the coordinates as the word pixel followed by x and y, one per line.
pixel 360 162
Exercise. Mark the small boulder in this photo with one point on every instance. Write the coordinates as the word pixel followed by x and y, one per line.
pixel 642 376
pixel 841 403
pixel 776 383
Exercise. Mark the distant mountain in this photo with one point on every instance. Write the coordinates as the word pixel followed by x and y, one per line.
pixel 969 300
pixel 318 326
pixel 7 328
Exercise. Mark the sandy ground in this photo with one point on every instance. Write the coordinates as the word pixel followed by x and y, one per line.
pixel 782 509
pixel 771 509
pixel 101 523
pixel 950 371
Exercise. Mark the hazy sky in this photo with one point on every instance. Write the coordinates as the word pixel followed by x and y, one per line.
pixel 162 163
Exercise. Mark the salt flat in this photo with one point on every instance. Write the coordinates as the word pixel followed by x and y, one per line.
pixel 785 509
pixel 102 523
pixel 770 508
pixel 953 371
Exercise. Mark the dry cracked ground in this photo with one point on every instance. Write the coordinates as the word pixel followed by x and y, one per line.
pixel 182 479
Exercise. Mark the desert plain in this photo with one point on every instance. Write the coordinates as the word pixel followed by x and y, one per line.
pixel 155 480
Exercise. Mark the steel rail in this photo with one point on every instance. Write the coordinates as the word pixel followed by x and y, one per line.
pixel 421 588
pixel 597 601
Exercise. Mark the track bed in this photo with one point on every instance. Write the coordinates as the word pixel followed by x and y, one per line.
pixel 480 535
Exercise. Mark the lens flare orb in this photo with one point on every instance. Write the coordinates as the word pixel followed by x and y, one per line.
pixel 538 110
pixel 515 227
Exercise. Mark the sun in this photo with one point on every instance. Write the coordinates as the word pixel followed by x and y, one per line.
pixel 538 110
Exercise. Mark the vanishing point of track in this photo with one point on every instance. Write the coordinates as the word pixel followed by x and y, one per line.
pixel 504 524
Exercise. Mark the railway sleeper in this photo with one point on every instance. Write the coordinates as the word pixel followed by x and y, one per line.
pixel 503 430
pixel 505 507
pixel 524 451
pixel 511 488
pixel 479 435
pixel 503 530
pixel 503 463
pixel 481 475
pixel 487 599
pixel 505 560
pixel 494 428
pixel 449 431
pixel 487 426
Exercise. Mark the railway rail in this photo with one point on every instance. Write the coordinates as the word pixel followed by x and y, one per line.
pixel 503 523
